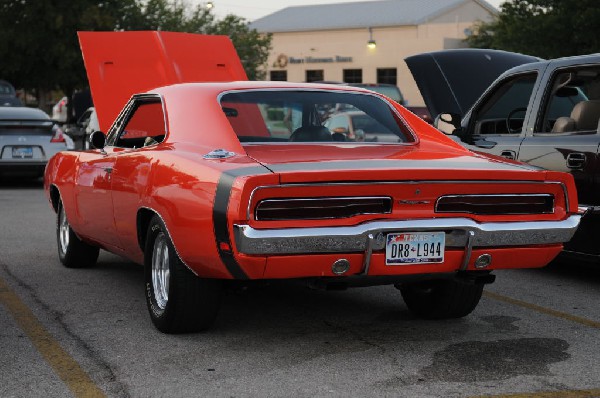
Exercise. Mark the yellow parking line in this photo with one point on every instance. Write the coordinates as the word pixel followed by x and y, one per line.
pixel 63 364
pixel 550 394
pixel 543 310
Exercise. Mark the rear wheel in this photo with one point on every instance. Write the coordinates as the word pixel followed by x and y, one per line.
pixel 72 251
pixel 178 301
pixel 441 299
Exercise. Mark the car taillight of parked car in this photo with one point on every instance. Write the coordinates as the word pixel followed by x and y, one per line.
pixel 58 136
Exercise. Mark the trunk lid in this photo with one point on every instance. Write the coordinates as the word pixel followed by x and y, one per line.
pixel 120 64
pixel 321 163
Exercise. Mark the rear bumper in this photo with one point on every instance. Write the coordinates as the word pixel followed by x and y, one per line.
pixel 370 236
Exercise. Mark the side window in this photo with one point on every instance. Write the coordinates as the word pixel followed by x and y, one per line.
pixel 145 126
pixel 572 103
pixel 503 112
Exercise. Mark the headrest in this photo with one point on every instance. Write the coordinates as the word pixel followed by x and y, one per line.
pixel 311 133
pixel 586 115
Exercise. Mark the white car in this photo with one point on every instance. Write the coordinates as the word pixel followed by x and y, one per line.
pixel 28 138
pixel 59 110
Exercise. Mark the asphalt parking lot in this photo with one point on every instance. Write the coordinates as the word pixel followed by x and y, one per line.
pixel 86 332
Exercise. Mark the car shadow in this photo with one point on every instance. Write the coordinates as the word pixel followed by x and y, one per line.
pixel 10 182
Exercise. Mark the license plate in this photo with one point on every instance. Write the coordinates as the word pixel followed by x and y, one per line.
pixel 22 152
pixel 415 248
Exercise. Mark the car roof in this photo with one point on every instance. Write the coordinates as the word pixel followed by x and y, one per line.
pixel 22 113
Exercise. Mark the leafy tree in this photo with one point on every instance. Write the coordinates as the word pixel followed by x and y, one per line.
pixel 40 51
pixel 252 47
pixel 544 28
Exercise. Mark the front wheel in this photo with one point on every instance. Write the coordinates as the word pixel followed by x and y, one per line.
pixel 178 300
pixel 441 299
pixel 72 251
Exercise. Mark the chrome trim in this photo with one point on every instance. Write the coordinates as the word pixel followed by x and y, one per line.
pixel 368 254
pixel 354 238
pixel 412 182
pixel 468 250
pixel 324 199
pixel 435 207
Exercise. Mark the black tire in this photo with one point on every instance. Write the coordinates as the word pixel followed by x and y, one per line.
pixel 72 251
pixel 178 300
pixel 441 299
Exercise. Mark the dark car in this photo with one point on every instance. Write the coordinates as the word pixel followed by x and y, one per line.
pixel 545 113
pixel 8 95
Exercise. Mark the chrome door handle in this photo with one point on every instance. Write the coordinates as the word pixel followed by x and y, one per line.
pixel 576 160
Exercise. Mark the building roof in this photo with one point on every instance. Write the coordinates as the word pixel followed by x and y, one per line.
pixel 358 15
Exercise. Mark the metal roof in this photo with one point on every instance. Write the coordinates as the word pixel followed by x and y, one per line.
pixel 358 15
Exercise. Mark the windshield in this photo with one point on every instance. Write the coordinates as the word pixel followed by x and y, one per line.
pixel 300 116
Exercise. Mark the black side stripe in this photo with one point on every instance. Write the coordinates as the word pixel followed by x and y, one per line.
pixel 222 195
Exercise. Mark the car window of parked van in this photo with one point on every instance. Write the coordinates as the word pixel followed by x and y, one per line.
pixel 503 111
pixel 572 105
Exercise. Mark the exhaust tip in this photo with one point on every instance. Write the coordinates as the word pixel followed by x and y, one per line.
pixel 483 261
pixel 340 266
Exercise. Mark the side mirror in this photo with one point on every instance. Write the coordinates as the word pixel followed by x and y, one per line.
pixel 447 122
pixel 98 139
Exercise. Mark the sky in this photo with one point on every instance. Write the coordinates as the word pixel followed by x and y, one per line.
pixel 254 9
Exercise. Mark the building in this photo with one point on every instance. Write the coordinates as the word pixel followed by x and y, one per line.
pixel 366 42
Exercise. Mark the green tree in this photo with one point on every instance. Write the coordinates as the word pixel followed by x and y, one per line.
pixel 40 51
pixel 544 28
pixel 252 47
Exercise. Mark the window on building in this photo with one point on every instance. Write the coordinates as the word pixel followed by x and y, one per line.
pixel 278 75
pixel 314 75
pixel 352 75
pixel 387 76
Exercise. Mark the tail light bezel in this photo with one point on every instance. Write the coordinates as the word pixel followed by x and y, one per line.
pixel 342 207
pixel 546 203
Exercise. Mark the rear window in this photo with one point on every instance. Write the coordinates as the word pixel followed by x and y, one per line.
pixel 300 116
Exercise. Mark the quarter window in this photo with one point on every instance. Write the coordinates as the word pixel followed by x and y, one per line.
pixel 145 126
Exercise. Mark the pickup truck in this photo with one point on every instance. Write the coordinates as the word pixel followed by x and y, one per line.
pixel 542 112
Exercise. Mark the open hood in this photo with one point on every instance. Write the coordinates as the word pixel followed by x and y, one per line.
pixel 451 81
pixel 120 64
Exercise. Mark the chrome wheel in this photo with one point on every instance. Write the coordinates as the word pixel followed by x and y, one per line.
pixel 63 232
pixel 160 271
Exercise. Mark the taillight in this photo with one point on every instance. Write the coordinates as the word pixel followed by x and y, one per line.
pixel 58 136
pixel 496 204
pixel 320 208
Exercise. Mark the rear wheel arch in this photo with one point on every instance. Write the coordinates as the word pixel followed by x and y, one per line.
pixel 144 216
pixel 54 197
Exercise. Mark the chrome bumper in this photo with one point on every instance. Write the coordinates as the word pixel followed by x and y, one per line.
pixel 460 232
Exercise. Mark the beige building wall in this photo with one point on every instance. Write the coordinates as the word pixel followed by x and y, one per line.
pixel 394 43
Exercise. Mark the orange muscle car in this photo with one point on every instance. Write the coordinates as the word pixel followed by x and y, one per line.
pixel 219 180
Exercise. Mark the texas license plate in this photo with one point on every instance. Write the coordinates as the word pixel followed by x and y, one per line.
pixel 22 152
pixel 415 248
